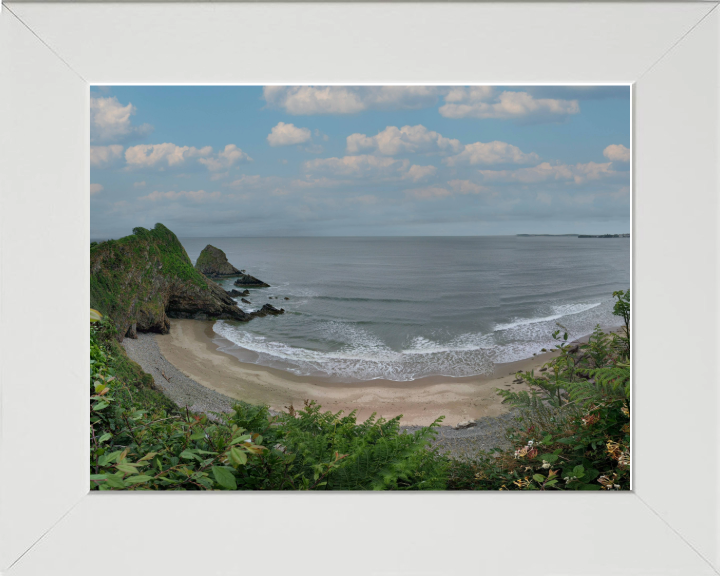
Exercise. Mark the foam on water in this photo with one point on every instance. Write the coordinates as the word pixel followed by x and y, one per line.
pixel 362 355
pixel 559 312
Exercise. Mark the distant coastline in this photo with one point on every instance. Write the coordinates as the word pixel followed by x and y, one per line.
pixel 575 235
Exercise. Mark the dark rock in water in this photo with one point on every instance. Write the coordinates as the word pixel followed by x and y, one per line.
pixel 213 263
pixel 251 281
pixel 286 298
pixel 246 301
pixel 268 309
pixel 270 298
pixel 235 293
pixel 143 279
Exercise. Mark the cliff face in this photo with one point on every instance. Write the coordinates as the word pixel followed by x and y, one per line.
pixel 213 263
pixel 142 279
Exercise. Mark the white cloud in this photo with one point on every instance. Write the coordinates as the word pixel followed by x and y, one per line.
pixel 195 195
pixel 348 99
pixel 95 188
pixel 495 152
pixel 110 120
pixel 577 173
pixel 453 187
pixel 287 134
pixel 103 156
pixel 168 155
pixel 417 173
pixel 225 159
pixel 363 165
pixel 408 139
pixel 617 153
pixel 139 184
pixel 162 155
pixel 377 167
pixel 485 102
pixel 246 181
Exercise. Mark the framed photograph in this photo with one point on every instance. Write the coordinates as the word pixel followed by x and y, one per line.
pixel 292 153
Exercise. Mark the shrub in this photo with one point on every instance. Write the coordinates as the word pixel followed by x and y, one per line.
pixel 141 441
pixel 574 428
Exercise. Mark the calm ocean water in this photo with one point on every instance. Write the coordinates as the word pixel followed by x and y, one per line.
pixel 403 308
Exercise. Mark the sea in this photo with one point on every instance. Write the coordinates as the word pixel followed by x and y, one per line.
pixel 403 308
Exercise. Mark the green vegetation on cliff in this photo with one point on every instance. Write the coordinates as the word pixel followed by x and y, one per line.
pixel 141 279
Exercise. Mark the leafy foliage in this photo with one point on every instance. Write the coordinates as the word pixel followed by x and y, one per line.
pixel 574 428
pixel 141 441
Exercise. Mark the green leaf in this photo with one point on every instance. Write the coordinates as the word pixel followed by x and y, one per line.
pixel 115 481
pixel 104 437
pixel 106 459
pixel 100 406
pixel 187 454
pixel 242 438
pixel 137 479
pixel 224 477
pixel 578 471
pixel 198 435
pixel 127 468
pixel 590 487
pixel 539 478
pixel 548 457
pixel 238 457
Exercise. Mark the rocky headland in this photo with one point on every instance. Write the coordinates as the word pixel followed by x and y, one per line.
pixel 143 279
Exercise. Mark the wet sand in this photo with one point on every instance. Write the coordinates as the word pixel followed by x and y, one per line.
pixel 190 348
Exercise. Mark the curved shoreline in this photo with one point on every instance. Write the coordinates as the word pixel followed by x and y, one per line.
pixel 190 348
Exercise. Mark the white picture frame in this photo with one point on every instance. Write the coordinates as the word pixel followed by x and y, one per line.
pixel 49 55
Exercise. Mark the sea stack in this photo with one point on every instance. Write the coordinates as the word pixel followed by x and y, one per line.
pixel 213 263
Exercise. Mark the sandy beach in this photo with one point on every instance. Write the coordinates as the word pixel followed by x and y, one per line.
pixel 190 348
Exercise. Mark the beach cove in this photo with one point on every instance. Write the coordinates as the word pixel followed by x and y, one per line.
pixel 190 347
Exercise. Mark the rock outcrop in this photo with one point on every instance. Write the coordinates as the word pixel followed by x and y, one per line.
pixel 250 281
pixel 236 293
pixel 143 279
pixel 213 263
pixel 269 309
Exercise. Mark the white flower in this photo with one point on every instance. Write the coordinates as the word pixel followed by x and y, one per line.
pixel 546 464
pixel 530 442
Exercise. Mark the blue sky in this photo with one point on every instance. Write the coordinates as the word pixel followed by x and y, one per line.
pixel 358 161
